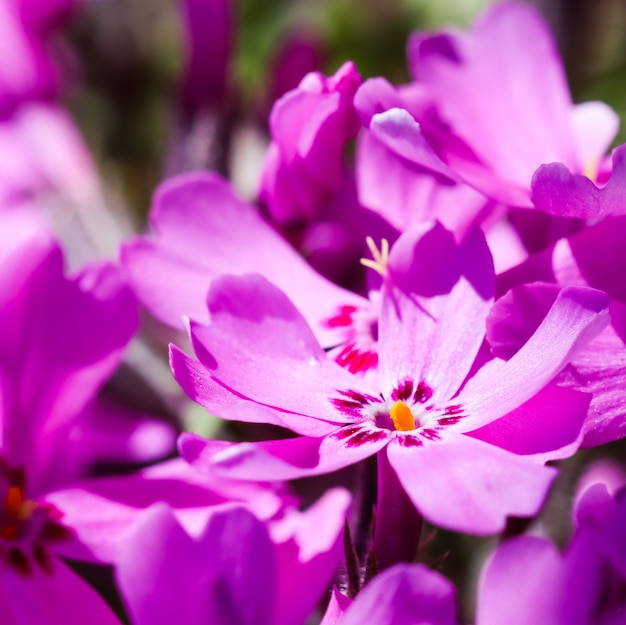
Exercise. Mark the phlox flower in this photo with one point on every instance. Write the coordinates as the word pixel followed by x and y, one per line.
pixel 309 127
pixel 60 339
pixel 500 104
pixel 527 580
pixel 202 230
pixel 594 257
pixel 402 595
pixel 238 569
pixel 465 446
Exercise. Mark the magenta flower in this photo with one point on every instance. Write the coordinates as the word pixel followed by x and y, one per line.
pixel 527 580
pixel 236 570
pixel 195 242
pixel 466 446
pixel 594 257
pixel 309 127
pixel 404 594
pixel 502 103
pixel 61 338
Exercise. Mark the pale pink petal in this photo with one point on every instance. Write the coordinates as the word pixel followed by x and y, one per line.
pixel 197 382
pixel 462 484
pixel 259 345
pixel 283 459
pixel 204 230
pixel 595 125
pixel 434 308
pixel 507 99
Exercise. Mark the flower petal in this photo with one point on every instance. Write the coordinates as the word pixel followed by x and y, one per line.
pixel 519 583
pixel 404 595
pixel 434 308
pixel 547 426
pixel 204 230
pixel 259 345
pixel 283 459
pixel 465 485
pixel 577 315
pixel 558 191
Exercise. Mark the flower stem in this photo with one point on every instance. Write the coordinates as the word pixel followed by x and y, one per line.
pixel 398 523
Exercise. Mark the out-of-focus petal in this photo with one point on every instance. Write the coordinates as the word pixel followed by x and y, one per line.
pixel 520 584
pixel 404 595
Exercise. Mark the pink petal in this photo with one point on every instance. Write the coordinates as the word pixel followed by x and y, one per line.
pixel 558 191
pixel 197 382
pixel 259 345
pixel 434 308
pixel 509 101
pixel 465 485
pixel 547 426
pixel 203 231
pixel 405 595
pixel 399 132
pixel 42 599
pixel 577 315
pixel 283 459
pixel 595 125
pixel 519 584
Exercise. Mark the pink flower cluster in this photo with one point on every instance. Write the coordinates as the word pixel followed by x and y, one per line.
pixel 428 328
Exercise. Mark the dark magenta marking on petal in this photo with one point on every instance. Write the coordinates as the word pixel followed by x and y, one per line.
pixel 346 432
pixel 18 560
pixel 431 435
pixel 355 361
pixel 403 391
pixel 454 410
pixel 410 441
pixel 53 532
pixel 43 559
pixel 423 392
pixel 362 398
pixel 365 436
pixel 344 318
pixel 346 406
pixel 344 356
pixel 450 420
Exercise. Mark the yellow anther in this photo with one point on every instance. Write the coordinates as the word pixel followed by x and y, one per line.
pixel 15 499
pixel 402 417
pixel 380 257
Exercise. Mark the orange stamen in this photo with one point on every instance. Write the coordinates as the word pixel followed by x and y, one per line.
pixel 402 417
pixel 15 499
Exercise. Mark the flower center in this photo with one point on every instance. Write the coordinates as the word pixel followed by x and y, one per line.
pixel 16 511
pixel 27 528
pixel 402 417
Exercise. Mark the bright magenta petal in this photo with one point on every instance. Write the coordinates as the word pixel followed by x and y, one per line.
pixel 577 315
